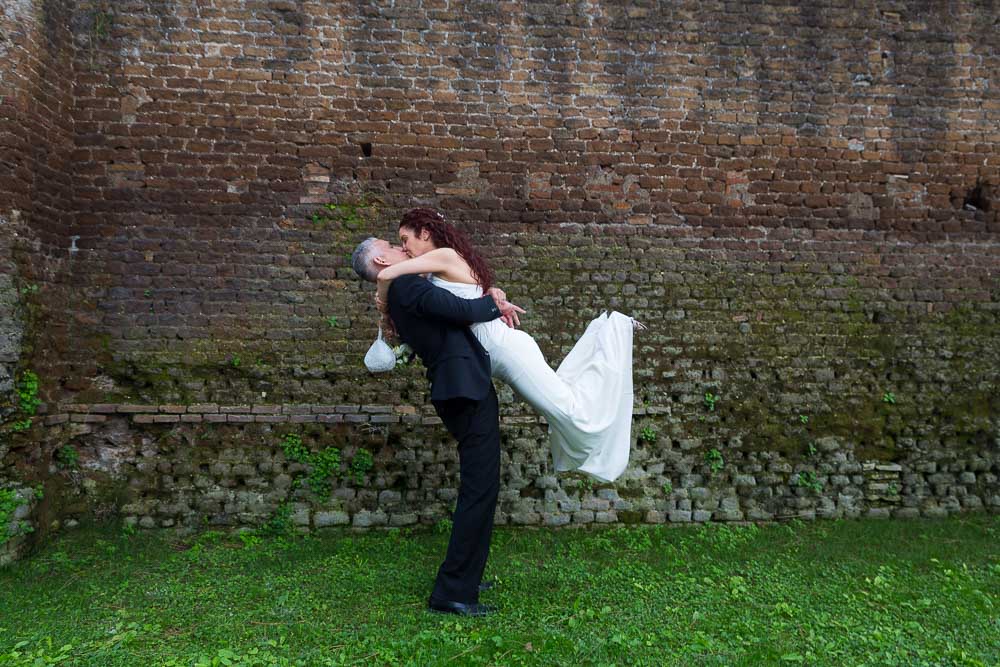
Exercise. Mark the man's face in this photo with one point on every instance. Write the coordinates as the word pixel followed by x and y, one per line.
pixel 389 254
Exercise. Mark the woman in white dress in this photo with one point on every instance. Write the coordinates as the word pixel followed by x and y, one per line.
pixel 587 401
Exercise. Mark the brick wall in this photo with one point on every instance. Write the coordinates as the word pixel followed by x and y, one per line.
pixel 800 201
pixel 36 215
pixel 819 140
pixel 36 119
pixel 36 137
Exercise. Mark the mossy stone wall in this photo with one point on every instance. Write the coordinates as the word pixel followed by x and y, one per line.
pixel 799 200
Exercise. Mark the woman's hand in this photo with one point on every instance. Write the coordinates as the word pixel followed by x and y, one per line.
pixel 497 294
pixel 509 314
pixel 508 311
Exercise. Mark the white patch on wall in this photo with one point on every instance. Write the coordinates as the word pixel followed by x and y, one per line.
pixel 11 327
pixel 16 17
pixel 15 11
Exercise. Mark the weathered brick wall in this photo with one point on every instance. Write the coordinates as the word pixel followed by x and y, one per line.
pixel 36 141
pixel 36 118
pixel 798 199
pixel 797 137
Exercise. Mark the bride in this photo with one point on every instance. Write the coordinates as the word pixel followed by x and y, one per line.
pixel 587 401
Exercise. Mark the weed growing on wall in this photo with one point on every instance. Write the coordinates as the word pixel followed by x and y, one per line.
pixel 361 464
pixel 101 21
pixel 67 457
pixel 10 500
pixel 807 480
pixel 713 458
pixel 325 465
pixel 26 389
pixel 27 393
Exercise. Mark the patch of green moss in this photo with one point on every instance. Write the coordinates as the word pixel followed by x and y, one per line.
pixel 632 492
pixel 864 423
pixel 760 427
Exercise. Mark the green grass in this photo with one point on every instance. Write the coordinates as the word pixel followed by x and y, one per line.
pixel 825 593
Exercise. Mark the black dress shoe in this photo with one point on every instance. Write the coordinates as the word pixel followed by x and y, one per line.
pixel 460 608
pixel 486 585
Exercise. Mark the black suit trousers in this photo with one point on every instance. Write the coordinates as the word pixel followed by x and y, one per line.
pixel 476 426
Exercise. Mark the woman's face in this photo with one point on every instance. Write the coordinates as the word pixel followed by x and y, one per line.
pixel 415 244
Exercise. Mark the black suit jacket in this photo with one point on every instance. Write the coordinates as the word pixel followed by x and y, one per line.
pixel 435 323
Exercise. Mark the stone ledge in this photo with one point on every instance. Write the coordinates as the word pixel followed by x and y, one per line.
pixel 295 413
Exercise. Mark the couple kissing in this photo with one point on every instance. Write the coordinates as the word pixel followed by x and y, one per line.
pixel 436 294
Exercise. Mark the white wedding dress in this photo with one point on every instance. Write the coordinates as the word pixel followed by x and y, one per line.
pixel 587 401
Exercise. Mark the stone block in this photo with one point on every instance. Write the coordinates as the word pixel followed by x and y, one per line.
pixel 404 519
pixel 596 504
pixel 133 409
pixel 972 502
pixel 334 518
pixel 570 505
pixel 555 519
pixel 300 514
pixel 525 518
pixel 389 497
pixel 699 493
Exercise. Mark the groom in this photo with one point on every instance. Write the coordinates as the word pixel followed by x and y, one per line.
pixel 435 323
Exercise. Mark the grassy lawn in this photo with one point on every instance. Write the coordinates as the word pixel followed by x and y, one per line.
pixel 826 593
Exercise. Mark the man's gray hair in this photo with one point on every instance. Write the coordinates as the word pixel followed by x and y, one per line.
pixel 361 259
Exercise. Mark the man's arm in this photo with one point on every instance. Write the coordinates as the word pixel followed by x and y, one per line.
pixel 416 295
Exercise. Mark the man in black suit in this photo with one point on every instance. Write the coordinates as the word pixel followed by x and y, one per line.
pixel 435 323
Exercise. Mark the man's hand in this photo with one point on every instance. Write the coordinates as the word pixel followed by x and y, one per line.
pixel 382 296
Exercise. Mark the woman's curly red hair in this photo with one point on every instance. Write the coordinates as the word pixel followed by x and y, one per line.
pixel 445 236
